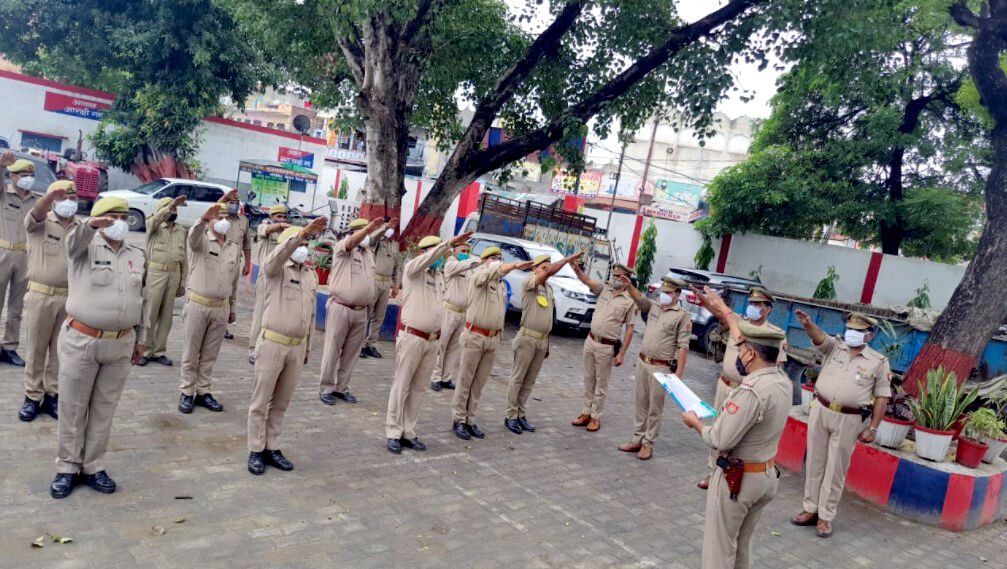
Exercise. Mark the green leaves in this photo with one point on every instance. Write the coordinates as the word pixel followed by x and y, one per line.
pixel 940 401
pixel 645 255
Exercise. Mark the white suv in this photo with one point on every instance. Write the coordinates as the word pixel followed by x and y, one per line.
pixel 574 301
pixel 142 200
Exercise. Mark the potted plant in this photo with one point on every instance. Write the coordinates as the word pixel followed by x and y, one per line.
pixel 997 442
pixel 321 259
pixel 940 404
pixel 897 421
pixel 982 424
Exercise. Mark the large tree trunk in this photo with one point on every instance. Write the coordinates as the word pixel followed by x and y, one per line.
pixel 151 164
pixel 387 145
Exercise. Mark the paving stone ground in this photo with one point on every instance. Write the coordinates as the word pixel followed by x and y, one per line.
pixel 561 497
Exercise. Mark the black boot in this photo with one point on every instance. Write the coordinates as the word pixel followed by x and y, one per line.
pixel 185 403
pixel 461 431
pixel 207 400
pixel 525 425
pixel 163 360
pixel 276 458
pixel 394 446
pixel 29 410
pixel 513 426
pixel 228 335
pixel 50 406
pixel 328 398
pixel 345 396
pixel 475 431
pixel 99 481
pixel 373 352
pixel 255 465
pixel 143 361
pixel 448 384
pixel 413 443
pixel 435 385
pixel 11 357
pixel 62 485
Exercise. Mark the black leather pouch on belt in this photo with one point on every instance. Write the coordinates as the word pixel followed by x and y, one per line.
pixel 616 347
pixel 734 472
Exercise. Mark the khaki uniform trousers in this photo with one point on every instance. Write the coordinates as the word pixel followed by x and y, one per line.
pixel 727 533
pixel 277 372
pixel 528 356
pixel 449 350
pixel 650 398
pixel 257 310
pixel 414 358
pixel 721 393
pixel 44 315
pixel 345 329
pixel 161 289
pixel 91 380
pixel 832 436
pixel 598 359
pixel 378 310
pixel 478 356
pixel 13 273
pixel 203 333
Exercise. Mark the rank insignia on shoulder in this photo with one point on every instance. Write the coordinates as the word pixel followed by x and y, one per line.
pixel 732 408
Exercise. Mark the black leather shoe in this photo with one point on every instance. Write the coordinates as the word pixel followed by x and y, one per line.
pixel 525 425
pixel 363 353
pixel 251 360
pixel 185 403
pixel 475 431
pixel 513 426
pixel 62 485
pixel 276 458
pixel 255 464
pixel 328 398
pixel 373 352
pixel 345 396
pixel 11 357
pixel 228 335
pixel 435 385
pixel 448 384
pixel 394 446
pixel 143 361
pixel 163 360
pixel 209 402
pixel 50 406
pixel 460 431
pixel 29 410
pixel 413 443
pixel 100 481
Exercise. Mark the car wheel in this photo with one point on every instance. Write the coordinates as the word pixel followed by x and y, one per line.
pixel 712 343
pixel 135 220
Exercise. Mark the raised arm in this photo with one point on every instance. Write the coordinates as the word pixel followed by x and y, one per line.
pixel 817 335
pixel 42 205
pixel 197 234
pixel 642 302
pixel 356 238
pixel 712 301
pixel 555 267
pixel 80 237
pixel 592 284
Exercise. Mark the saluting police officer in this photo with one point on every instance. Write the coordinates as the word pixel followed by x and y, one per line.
pixel 103 333
pixel 748 428
pixel 167 271
pixel 288 288
pixel 209 306
pixel 15 201
pixel 267 235
pixel 456 273
pixel 47 224
pixel 531 344
pixel 386 263
pixel 237 232
pixel 665 347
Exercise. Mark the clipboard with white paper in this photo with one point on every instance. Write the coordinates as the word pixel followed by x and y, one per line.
pixel 683 396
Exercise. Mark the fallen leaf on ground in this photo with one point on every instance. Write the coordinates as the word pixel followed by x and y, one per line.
pixel 39 541
pixel 180 520
pixel 157 530
pixel 61 539
pixel 776 533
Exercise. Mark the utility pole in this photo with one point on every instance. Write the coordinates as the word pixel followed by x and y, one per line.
pixel 615 190
pixel 639 204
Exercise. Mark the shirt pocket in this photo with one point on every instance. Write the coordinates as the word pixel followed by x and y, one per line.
pixel 52 247
pixel 863 376
pixel 13 214
pixel 291 292
pixel 102 271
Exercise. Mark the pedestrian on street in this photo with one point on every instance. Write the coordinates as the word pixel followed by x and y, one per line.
pixel 237 233
pixel 267 236
pixel 456 273
pixel 386 285
pixel 664 349
pixel 852 376
pixel 209 306
pixel 103 333
pixel 531 344
pixel 604 347
pixel 167 271
pixel 47 225
pixel 15 200
pixel 288 289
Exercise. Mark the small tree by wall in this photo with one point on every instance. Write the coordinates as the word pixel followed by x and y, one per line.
pixel 826 289
pixel 704 256
pixel 645 256
pixel 344 189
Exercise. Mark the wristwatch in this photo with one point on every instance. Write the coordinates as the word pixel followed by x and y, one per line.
pixel 873 430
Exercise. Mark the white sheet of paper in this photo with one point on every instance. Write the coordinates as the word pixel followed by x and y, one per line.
pixel 683 396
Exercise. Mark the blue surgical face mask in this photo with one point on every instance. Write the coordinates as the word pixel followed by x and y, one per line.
pixel 462 256
pixel 753 312
pixel 438 264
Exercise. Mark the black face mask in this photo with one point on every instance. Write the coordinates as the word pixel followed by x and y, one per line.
pixel 740 367
pixel 172 217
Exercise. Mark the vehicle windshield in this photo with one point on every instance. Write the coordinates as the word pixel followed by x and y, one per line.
pixel 150 187
pixel 554 256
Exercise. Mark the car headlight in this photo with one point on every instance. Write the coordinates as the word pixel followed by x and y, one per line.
pixel 579 296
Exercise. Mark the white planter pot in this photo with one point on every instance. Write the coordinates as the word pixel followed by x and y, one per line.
pixel 932 444
pixel 892 432
pixel 995 450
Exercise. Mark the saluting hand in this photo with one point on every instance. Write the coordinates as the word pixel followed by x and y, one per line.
pixel 210 214
pixel 625 279
pixel 180 200
pixel 802 317
pixel 56 195
pixel 7 158
pixel 460 238
pixel 101 222
pixel 316 227
pixel 229 196
pixel 392 223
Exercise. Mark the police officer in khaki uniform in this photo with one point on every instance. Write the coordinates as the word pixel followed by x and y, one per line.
pixel 455 273
pixel 484 320
pixel 760 305
pixel 288 288
pixel 748 428
pixel 47 224
pixel 15 201
pixel 386 262
pixel 852 376
pixel 103 333
pixel 209 306
pixel 267 236
pixel 167 271
pixel 351 293
pixel 237 232
pixel 615 310
pixel 531 344
pixel 665 347
pixel 416 345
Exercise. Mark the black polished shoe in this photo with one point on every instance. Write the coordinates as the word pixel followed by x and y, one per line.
pixel 228 335
pixel 328 398
pixel 373 352
pixel 475 431
pixel 163 360
pixel 207 400
pixel 62 485
pixel 413 443
pixel 525 425
pixel 435 385
pixel 255 464
pixel 100 482
pixel 185 403
pixel 513 426
pixel 11 357
pixel 143 361
pixel 276 458
pixel 447 384
pixel 394 446
pixel 50 406
pixel 460 431
pixel 251 360
pixel 363 353
pixel 29 410
pixel 345 396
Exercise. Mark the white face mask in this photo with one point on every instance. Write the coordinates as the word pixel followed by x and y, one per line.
pixel 65 208
pixel 494 264
pixel 299 255
pixel 26 183
pixel 854 338
pixel 116 231
pixel 221 226
pixel 665 299
pixel 389 232
pixel 753 312
pixel 366 242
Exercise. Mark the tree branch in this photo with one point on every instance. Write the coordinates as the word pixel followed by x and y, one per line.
pixel 353 51
pixel 424 14
pixel 963 15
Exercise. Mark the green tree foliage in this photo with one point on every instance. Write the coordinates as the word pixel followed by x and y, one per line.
pixel 645 255
pixel 344 189
pixel 826 289
pixel 704 255
pixel 922 297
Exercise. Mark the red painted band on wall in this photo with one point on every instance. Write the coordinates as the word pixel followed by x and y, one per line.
pixel 871 280
pixel 725 248
pixel 636 240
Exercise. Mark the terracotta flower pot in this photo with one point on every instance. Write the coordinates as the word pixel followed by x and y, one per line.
pixel 892 432
pixel 970 452
pixel 932 444
pixel 807 394
pixel 996 448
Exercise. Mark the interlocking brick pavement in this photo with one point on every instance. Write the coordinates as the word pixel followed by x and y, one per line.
pixel 560 497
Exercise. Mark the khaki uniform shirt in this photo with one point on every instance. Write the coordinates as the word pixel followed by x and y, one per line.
pixel 668 330
pixel 487 298
pixel 750 422
pixel 352 278
pixel 421 297
pixel 13 208
pixel 612 312
pixel 47 262
pixel 166 245
pixel 238 232
pixel 730 369
pixel 456 280
pixel 852 381
pixel 289 305
pixel 267 243
pixel 212 266
pixel 107 290
pixel 386 257
pixel 534 316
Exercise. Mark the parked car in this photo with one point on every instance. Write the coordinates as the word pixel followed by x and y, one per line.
pixel 574 303
pixel 705 327
pixel 43 173
pixel 143 199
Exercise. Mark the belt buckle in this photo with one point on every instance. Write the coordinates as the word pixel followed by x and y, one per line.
pixel 104 335
pixel 835 407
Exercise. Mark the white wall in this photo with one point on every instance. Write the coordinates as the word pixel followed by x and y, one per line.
pixel 901 276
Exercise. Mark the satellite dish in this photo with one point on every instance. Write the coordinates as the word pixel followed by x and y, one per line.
pixel 302 124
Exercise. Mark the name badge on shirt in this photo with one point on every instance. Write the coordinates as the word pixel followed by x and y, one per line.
pixel 103 263
pixel 214 254
pixel 295 281
pixel 53 237
pixel 542 300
